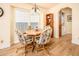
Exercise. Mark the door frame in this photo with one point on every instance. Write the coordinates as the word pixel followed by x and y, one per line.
pixel 60 25
pixel 60 21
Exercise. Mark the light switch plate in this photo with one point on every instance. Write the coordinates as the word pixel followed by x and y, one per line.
pixel 1 41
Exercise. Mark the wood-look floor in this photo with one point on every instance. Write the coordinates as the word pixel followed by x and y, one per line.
pixel 57 47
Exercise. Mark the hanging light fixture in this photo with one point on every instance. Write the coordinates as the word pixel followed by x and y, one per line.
pixel 35 8
pixel 35 14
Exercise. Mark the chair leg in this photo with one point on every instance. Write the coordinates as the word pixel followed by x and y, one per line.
pixel 36 48
pixel 25 49
pixel 46 50
pixel 40 47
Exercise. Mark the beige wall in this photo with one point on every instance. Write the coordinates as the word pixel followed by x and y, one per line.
pixel 75 24
pixel 75 20
pixel 5 26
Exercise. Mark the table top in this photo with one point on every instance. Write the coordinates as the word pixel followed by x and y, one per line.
pixel 33 32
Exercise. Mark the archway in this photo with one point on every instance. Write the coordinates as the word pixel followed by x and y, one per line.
pixel 65 21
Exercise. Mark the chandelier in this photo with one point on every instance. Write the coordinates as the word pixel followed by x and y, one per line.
pixel 35 8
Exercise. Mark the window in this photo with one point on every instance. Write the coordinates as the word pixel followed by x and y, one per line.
pixel 25 17
pixel 35 19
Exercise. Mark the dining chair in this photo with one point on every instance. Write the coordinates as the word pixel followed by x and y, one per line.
pixel 28 41
pixel 43 39
pixel 24 40
pixel 20 37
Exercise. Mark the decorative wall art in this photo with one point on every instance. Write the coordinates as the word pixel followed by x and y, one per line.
pixel 69 18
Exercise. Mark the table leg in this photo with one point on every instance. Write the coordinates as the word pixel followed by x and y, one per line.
pixel 33 47
pixel 25 49
pixel 33 43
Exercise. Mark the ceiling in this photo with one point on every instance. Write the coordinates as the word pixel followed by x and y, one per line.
pixel 30 5
pixel 47 5
pixel 44 5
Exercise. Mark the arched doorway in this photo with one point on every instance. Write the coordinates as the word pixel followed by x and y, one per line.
pixel 65 21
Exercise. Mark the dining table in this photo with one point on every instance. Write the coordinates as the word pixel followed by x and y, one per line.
pixel 33 34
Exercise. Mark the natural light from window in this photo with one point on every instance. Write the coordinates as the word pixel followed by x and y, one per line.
pixel 25 17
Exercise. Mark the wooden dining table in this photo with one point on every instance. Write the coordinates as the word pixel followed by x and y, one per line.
pixel 33 33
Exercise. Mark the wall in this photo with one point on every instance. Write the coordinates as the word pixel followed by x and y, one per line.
pixel 5 27
pixel 75 23
pixel 75 20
